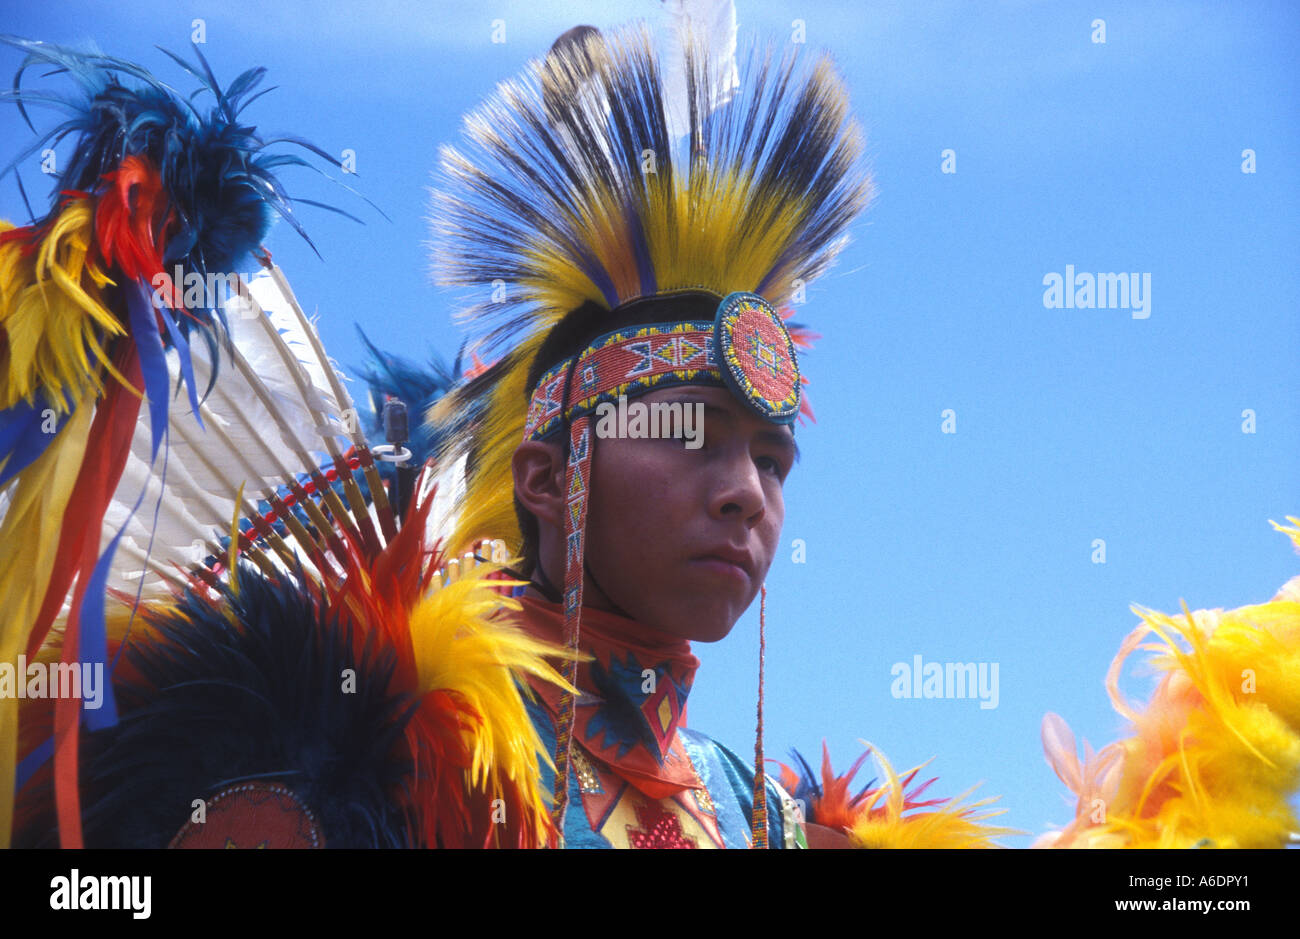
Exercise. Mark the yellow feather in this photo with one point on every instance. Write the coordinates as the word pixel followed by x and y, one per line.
pixel 882 821
pixel 52 314
pixel 463 644
pixel 1215 755
pixel 1293 532
pixel 488 509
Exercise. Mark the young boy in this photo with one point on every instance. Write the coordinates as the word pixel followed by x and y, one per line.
pixel 642 413
pixel 678 542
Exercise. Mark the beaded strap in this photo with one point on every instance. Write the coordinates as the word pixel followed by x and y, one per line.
pixel 577 486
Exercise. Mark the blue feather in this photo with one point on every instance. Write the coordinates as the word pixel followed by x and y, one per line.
pixel 153 362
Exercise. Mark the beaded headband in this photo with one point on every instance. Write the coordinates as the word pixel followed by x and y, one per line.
pixel 746 349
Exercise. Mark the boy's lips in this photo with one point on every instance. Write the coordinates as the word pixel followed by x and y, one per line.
pixel 727 559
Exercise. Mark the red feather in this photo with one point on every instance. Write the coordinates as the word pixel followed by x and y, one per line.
pixel 107 447
pixel 132 217
pixel 376 594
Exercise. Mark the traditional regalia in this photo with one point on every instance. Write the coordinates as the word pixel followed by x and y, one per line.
pixel 221 630
pixel 307 639
pixel 414 662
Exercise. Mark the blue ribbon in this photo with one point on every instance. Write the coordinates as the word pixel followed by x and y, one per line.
pixel 22 439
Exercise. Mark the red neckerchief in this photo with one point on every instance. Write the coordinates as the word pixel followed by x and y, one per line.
pixel 632 697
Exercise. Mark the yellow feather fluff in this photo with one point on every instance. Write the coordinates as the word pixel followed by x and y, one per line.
pixel 488 509
pixel 1215 754
pixel 52 314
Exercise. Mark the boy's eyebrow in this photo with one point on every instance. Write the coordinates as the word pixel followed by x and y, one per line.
pixel 716 412
pixel 782 439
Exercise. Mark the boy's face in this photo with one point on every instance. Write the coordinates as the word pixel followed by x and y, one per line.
pixel 681 539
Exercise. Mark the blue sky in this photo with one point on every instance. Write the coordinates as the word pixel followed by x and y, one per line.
pixel 1071 424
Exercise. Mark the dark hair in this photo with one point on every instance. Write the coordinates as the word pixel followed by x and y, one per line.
pixel 572 335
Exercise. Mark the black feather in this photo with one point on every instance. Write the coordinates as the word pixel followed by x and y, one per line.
pixel 249 688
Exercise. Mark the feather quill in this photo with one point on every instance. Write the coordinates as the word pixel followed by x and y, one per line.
pixel 697 30
pixel 252 434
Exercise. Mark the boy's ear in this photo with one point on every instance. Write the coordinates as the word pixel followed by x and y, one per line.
pixel 538 469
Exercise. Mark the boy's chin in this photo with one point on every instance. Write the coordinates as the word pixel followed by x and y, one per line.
pixel 712 635
pixel 686 611
pixel 707 622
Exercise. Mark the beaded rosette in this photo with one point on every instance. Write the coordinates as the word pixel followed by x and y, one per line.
pixel 758 358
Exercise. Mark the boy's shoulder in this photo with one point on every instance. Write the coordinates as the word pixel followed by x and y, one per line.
pixel 720 768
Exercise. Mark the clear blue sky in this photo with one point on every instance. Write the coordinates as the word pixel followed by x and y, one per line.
pixel 1072 424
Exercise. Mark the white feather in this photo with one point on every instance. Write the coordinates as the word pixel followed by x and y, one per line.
pixel 450 496
pixel 709 26
pixel 242 443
